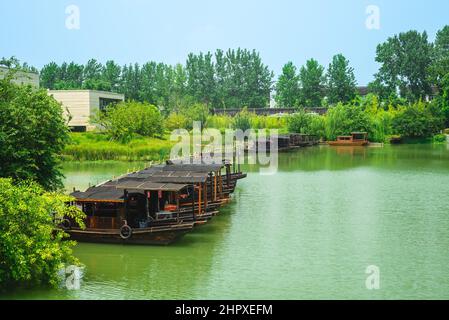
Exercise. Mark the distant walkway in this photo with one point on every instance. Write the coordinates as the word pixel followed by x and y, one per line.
pixel 267 111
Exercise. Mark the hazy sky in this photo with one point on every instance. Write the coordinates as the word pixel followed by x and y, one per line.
pixel 40 31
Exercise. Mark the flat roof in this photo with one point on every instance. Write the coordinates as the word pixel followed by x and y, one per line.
pixel 87 90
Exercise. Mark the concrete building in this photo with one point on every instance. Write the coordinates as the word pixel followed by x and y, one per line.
pixel 22 77
pixel 81 104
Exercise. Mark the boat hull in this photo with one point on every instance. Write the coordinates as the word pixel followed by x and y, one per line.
pixel 348 144
pixel 145 236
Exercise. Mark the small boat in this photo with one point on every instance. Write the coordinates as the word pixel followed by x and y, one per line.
pixel 356 139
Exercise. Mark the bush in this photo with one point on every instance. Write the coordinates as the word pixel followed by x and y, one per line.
pixel 197 112
pixel 32 252
pixel 417 121
pixel 33 132
pixel 344 119
pixel 299 122
pixel 317 126
pixel 176 121
pixel 221 122
pixel 439 138
pixel 242 120
pixel 128 119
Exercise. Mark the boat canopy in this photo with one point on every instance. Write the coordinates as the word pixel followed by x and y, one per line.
pixel 145 185
pixel 102 193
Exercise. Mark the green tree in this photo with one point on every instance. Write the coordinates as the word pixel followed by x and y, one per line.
pixel 33 132
pixel 70 76
pixel 440 63
pixel 287 87
pixel 197 112
pixel 341 84
pixel 128 119
pixel 417 121
pixel 405 61
pixel 111 76
pixel 344 119
pixel 312 82
pixel 32 251
pixel 49 75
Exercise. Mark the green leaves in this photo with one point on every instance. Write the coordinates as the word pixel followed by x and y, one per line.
pixel 287 87
pixel 341 84
pixel 33 133
pixel 128 119
pixel 31 250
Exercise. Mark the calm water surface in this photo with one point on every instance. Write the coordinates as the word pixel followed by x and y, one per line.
pixel 308 232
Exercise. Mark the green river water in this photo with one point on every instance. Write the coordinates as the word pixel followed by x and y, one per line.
pixel 307 232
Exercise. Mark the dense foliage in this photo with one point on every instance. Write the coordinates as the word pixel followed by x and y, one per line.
pixel 32 252
pixel 33 132
pixel 127 119
pixel 230 79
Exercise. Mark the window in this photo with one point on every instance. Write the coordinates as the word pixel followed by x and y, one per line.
pixel 105 102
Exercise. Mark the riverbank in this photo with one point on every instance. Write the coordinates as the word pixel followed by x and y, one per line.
pixel 96 146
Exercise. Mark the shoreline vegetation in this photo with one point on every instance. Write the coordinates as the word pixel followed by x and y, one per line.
pixel 406 100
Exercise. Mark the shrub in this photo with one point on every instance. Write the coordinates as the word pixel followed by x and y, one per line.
pixel 417 121
pixel 299 122
pixel 242 120
pixel 32 252
pixel 197 112
pixel 127 119
pixel 176 121
pixel 439 138
pixel 344 119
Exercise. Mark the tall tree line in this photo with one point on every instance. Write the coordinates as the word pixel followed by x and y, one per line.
pixel 231 79
pixel 311 86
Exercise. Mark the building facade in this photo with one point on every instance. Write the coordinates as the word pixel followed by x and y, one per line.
pixel 79 105
pixel 22 77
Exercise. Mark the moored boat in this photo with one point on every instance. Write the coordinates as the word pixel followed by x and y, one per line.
pixel 355 139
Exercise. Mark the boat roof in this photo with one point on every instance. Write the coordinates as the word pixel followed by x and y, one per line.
pixel 101 193
pixel 185 177
pixel 133 184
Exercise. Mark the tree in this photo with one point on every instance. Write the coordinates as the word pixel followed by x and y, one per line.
pixel 417 121
pixel 341 84
pixel 312 84
pixel 287 87
pixel 405 60
pixel 111 76
pixel 343 119
pixel 32 251
pixel 49 75
pixel 440 63
pixel 128 119
pixel 70 76
pixel 33 133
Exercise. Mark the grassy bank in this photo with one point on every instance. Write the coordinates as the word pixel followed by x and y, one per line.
pixel 97 146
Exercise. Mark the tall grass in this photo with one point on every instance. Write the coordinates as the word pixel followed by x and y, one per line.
pixel 97 146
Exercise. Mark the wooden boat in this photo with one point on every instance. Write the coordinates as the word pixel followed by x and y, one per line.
pixel 162 235
pixel 156 205
pixel 355 139
pixel 140 213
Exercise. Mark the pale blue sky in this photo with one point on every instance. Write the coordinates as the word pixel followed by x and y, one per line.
pixel 142 30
